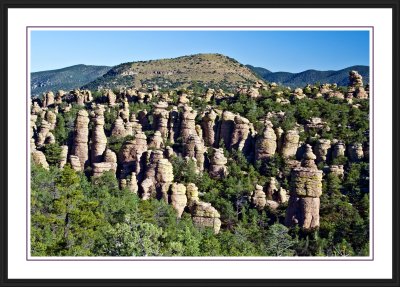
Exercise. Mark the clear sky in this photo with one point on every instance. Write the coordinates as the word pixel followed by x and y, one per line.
pixel 289 51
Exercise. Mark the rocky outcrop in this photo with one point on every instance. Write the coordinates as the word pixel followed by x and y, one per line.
pixel 194 148
pixel 75 162
pixel 48 99
pixel 178 198
pixel 44 134
pixel 118 129
pixel 204 215
pixel 290 143
pixel 51 118
pixel 160 119
pixel 110 157
pixel 355 152
pixel 266 144
pixel 192 194
pixel 258 198
pixel 226 127
pixel 111 97
pixel 217 164
pixel 130 183
pixel 81 137
pixel 130 154
pixel 39 158
pixel 306 188
pixel 337 170
pixel 241 131
pixel 164 177
pixel 209 127
pixel 156 141
pixel 100 167
pixel 188 125
pixel 173 125
pixel 99 139
pixel 356 86
pixel 321 149
pixel 63 156
pixel 339 150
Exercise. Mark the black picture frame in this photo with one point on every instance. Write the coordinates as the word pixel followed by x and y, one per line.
pixel 5 157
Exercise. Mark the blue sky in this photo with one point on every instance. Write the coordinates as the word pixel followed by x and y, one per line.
pixel 289 51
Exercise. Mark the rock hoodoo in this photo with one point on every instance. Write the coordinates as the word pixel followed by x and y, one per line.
pixel 306 188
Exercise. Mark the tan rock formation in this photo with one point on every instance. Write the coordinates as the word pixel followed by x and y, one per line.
pixel 99 139
pixel 100 167
pixel 39 158
pixel 130 155
pixel 338 170
pixel 321 149
pixel 306 188
pixel 355 152
pixel 204 215
pixel 178 198
pixel 209 127
pixel 192 194
pixel 119 128
pixel 226 127
pixel 164 177
pixel 111 97
pixel 81 137
pixel 339 149
pixel 48 99
pixel 266 143
pixel 63 156
pixel 156 141
pixel 194 148
pixel 258 198
pixel 173 125
pixel 290 143
pixel 217 164
pixel 51 118
pixel 160 119
pixel 241 131
pixel 188 125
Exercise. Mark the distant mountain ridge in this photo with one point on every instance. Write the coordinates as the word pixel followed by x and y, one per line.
pixel 65 79
pixel 341 77
pixel 200 70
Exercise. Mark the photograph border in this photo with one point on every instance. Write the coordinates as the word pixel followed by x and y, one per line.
pixel 5 281
pixel 244 258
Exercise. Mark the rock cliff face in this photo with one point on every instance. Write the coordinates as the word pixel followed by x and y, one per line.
pixel 80 147
pixel 306 188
